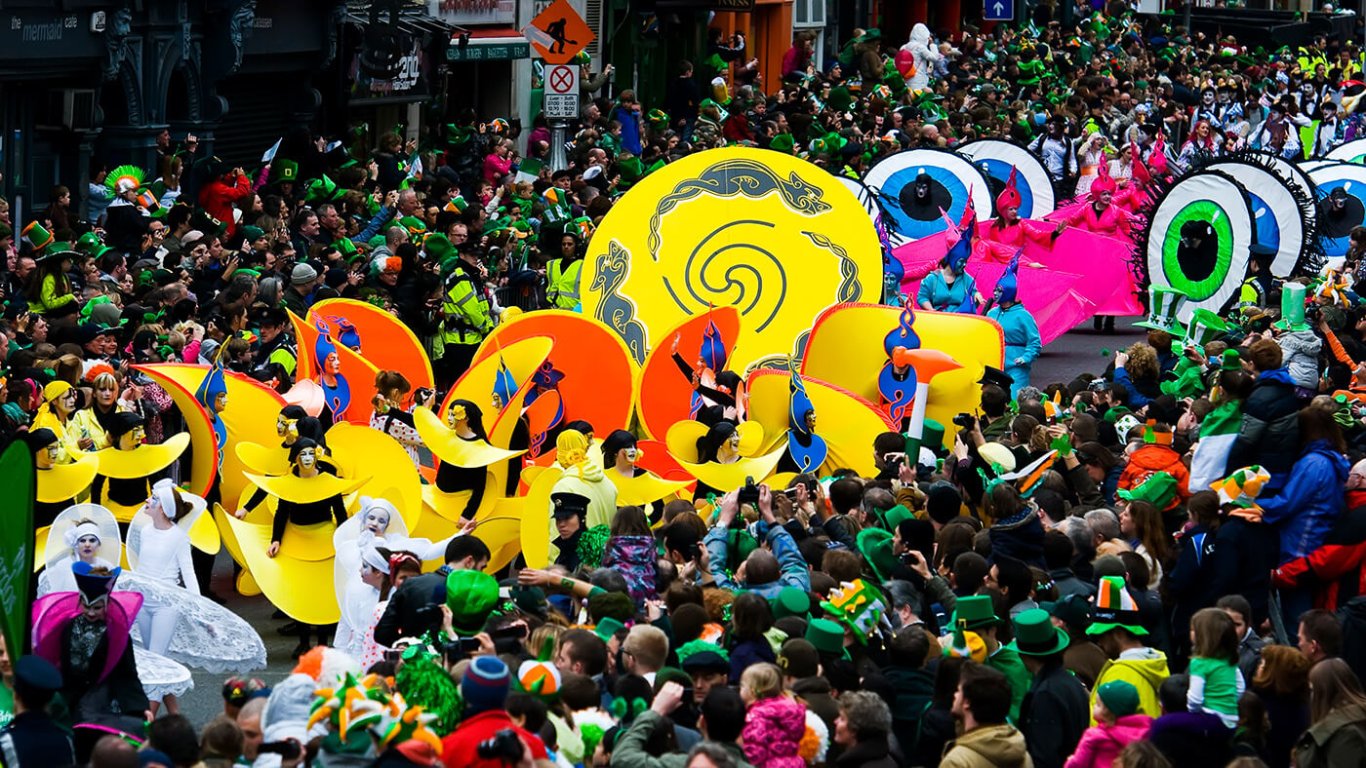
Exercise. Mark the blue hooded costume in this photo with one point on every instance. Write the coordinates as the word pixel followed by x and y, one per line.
pixel 1022 341
pixel 959 296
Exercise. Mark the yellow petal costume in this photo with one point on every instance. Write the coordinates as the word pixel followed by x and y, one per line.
pixel 139 463
pixel 682 442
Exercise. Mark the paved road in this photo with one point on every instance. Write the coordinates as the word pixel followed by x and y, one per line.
pixel 1075 352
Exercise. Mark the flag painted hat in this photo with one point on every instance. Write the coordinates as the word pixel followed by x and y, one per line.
pixel 1115 608
pixel 1164 304
pixel 858 606
pixel 1158 490
pixel 1242 487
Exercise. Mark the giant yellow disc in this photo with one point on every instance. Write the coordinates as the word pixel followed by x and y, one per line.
pixel 775 237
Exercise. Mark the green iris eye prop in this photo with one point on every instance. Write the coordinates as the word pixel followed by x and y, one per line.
pixel 1201 236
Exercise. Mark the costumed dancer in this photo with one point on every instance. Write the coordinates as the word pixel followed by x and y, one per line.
pixel 806 451
pixel 950 288
pixel 718 394
pixel 129 466
pixel 1022 341
pixel 308 502
pixel 93 422
pixel 1100 216
pixel 376 523
pixel 85 634
pixel 59 485
pixel 897 380
pixel 159 550
pixel 1000 239
pixel 720 445
pixel 621 455
pixel 466 420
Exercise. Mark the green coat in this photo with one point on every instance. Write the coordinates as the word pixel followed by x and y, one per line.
pixel 1007 662
pixel 630 751
pixel 1336 741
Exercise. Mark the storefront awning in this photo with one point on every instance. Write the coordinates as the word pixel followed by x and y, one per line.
pixel 489 44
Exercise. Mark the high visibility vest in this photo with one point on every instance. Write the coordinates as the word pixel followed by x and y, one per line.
pixel 466 308
pixel 563 290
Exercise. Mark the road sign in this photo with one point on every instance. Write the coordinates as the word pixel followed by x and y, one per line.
pixel 559 33
pixel 998 10
pixel 562 91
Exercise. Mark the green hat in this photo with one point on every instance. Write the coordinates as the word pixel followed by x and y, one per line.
pixel 1231 361
pixel 1164 304
pixel 783 142
pixel 246 271
pixel 1035 634
pixel 607 627
pixel 320 190
pixel 375 242
pixel 791 601
pixel 896 516
pixel 38 235
pixel 58 251
pixel 857 605
pixel 208 223
pixel 1292 309
pixel 702 656
pixel 251 233
pixel 876 546
pixel 827 636
pixel 471 596
pixel 285 170
pixel 1158 490
pixel 89 242
pixel 657 117
pixel 1114 608
pixel 932 436
pixel 347 248
pixel 1120 697
pixel 413 224
pixel 1205 326
pixel 438 247
pixel 975 612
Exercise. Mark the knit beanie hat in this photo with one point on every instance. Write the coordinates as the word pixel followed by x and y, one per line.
pixel 1120 698
pixel 485 685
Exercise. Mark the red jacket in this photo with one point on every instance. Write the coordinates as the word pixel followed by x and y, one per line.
pixel 1335 569
pixel 217 199
pixel 1150 459
pixel 460 749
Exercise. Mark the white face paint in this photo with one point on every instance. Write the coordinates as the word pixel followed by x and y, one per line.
pixel 87 546
pixel 631 454
pixel 734 441
pixel 53 451
pixel 376 520
pixel 307 458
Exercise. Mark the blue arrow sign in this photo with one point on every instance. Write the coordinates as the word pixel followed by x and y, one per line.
pixel 998 10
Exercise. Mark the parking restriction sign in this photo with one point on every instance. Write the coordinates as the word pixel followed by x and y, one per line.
pixel 562 91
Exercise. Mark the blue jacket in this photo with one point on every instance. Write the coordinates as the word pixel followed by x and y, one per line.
pixel 1021 333
pixel 630 130
pixel 1312 500
pixel 792 569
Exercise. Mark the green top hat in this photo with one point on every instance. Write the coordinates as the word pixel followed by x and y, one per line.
pixel 791 601
pixel 347 248
pixel 876 546
pixel 1205 326
pixel 38 235
pixel 827 636
pixel 607 627
pixel 1164 304
pixel 285 170
pixel 320 190
pixel 1292 309
pixel 895 516
pixel 1231 361
pixel 782 143
pixel 89 242
pixel 1035 634
pixel 471 596
pixel 61 250
pixel 438 247
pixel 932 436
pixel 975 612
pixel 1158 490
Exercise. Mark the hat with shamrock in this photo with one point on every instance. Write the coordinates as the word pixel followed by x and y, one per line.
pixel 858 606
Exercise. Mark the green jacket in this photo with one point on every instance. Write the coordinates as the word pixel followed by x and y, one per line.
pixel 1336 741
pixel 466 307
pixel 1007 662
pixel 630 751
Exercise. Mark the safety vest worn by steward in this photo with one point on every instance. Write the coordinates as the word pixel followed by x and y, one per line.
pixel 563 288
pixel 466 308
